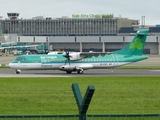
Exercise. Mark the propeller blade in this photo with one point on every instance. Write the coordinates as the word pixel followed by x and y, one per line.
pixel 67 56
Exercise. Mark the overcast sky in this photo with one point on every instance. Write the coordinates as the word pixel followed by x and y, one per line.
pixel 132 9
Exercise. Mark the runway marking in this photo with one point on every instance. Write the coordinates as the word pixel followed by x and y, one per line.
pixel 155 70
pixel 30 75
pixel 88 73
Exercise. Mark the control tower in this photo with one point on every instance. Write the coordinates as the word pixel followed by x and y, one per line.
pixel 13 16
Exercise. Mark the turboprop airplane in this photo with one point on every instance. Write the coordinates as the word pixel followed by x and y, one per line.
pixel 80 61
pixel 22 46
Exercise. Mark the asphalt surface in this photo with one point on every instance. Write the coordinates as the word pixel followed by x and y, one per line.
pixel 7 72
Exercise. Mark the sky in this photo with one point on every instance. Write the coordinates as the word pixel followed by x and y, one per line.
pixel 131 9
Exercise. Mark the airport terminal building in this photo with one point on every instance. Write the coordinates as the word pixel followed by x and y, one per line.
pixel 101 33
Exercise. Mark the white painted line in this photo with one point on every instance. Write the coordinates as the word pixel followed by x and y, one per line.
pixel 30 75
pixel 155 70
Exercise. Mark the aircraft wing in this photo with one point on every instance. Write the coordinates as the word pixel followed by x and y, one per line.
pixel 81 55
pixel 96 54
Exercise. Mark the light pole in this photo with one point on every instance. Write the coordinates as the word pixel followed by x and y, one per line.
pixel 0 26
pixel 0 30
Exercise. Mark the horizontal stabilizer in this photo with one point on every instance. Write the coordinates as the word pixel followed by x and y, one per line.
pixel 142 32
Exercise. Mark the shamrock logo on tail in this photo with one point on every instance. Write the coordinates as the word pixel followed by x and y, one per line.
pixel 137 44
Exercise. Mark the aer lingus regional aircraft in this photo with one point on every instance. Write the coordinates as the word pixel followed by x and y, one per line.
pixel 80 61
pixel 21 46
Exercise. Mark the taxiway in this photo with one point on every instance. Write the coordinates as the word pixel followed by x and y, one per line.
pixel 7 72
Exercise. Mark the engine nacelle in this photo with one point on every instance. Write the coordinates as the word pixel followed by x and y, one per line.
pixel 67 68
pixel 76 56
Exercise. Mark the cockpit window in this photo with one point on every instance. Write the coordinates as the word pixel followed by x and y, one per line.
pixel 21 59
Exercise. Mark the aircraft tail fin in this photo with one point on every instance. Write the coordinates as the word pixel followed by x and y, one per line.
pixel 135 47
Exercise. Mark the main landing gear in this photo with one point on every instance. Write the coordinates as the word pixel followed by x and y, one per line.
pixel 80 71
pixel 68 72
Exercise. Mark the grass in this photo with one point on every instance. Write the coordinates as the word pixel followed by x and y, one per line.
pixel 113 95
pixel 139 67
pixel 4 66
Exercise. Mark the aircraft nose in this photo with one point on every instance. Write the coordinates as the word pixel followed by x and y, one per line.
pixel 10 65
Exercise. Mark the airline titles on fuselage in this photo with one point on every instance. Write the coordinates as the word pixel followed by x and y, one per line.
pixel 48 58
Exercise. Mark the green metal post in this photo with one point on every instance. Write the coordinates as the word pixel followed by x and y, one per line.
pixel 83 104
pixel 87 99
pixel 77 95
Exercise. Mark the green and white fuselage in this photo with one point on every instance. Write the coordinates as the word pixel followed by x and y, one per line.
pixel 56 61
pixel 80 61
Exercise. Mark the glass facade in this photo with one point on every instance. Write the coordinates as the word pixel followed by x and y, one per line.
pixel 65 27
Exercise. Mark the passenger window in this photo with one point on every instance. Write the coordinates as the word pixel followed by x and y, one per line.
pixel 21 59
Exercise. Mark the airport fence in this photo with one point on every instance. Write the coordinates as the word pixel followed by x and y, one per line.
pixel 88 117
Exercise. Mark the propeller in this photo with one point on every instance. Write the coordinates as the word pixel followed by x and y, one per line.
pixel 67 56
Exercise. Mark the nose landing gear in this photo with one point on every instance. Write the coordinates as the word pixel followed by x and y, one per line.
pixel 18 71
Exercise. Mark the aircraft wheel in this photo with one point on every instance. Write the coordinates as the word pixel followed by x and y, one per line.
pixel 68 72
pixel 80 71
pixel 18 71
